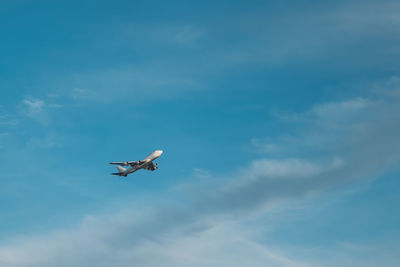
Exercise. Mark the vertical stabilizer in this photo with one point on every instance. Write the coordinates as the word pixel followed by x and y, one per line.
pixel 120 169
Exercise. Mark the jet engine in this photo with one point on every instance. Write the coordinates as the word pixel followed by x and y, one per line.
pixel 153 167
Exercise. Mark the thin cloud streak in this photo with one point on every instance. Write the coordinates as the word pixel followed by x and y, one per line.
pixel 180 56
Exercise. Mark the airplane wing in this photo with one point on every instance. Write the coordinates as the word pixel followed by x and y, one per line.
pixel 126 163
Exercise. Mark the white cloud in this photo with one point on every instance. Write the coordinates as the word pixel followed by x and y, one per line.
pixel 37 109
pixel 358 137
pixel 224 244
pixel 208 229
pixel 34 106
pixel 287 168
pixel 342 109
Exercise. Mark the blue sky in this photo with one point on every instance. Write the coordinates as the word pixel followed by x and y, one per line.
pixel 278 121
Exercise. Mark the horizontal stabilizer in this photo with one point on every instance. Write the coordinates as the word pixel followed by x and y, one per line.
pixel 119 174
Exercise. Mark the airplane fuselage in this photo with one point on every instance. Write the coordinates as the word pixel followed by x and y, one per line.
pixel 146 163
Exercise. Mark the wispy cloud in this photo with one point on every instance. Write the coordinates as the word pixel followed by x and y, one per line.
pixel 161 80
pixel 324 33
pixel 34 106
pixel 37 109
pixel 216 213
pixel 173 59
pixel 50 141
pixel 6 119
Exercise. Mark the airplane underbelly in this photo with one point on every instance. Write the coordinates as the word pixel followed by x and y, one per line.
pixel 132 170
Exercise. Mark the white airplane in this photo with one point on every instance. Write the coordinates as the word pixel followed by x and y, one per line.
pixel 146 163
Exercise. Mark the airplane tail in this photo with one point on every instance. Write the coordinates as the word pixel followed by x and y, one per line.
pixel 120 172
pixel 121 169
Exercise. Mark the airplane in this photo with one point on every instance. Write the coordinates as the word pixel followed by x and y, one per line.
pixel 146 163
